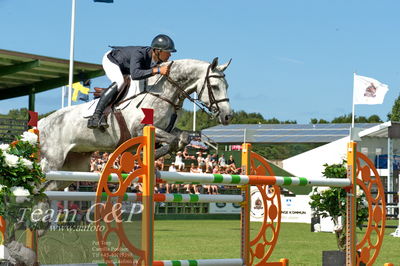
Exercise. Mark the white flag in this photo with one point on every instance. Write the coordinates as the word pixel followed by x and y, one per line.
pixel 368 90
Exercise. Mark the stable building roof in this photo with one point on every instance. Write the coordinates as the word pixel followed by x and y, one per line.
pixel 25 74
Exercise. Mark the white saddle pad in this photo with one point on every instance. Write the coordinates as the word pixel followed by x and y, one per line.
pixel 137 86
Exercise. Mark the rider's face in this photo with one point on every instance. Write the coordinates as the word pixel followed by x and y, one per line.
pixel 164 56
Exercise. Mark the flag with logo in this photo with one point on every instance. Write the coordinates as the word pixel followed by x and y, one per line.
pixel 368 90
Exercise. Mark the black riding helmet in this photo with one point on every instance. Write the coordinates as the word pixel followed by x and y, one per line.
pixel 164 43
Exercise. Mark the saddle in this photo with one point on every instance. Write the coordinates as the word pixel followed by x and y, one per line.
pixel 124 131
pixel 121 94
pixel 122 100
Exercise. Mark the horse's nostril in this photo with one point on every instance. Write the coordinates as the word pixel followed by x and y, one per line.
pixel 227 117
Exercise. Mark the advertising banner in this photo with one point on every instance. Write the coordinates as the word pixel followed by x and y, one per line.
pixel 221 207
pixel 294 209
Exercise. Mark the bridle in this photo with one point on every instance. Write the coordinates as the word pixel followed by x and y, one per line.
pixel 211 109
pixel 211 96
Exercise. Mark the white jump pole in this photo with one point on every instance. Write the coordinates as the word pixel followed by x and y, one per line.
pixel 183 177
pixel 79 176
pixel 252 179
pixel 90 196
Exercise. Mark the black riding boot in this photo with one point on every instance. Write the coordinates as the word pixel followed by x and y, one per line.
pixel 97 120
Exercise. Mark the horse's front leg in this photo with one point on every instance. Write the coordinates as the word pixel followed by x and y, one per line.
pixel 182 136
pixel 167 142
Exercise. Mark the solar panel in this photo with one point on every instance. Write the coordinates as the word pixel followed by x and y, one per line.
pixel 281 133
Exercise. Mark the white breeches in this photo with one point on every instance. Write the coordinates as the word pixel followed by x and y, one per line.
pixel 113 71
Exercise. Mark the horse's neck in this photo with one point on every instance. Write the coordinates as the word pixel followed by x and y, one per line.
pixel 186 74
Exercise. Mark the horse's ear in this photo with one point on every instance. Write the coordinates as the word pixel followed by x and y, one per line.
pixel 214 63
pixel 224 66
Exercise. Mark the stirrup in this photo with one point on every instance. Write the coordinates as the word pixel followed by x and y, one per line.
pixel 93 122
pixel 103 122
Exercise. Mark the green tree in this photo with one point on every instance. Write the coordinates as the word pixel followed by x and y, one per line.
pixel 320 121
pixel 21 113
pixel 342 119
pixel 185 121
pixel 395 114
pixel 241 117
pixel 357 119
pixel 374 119
pixel 332 202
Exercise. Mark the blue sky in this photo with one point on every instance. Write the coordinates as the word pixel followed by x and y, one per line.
pixel 293 60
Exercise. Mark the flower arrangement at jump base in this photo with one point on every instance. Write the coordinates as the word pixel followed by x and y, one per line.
pixel 331 202
pixel 21 185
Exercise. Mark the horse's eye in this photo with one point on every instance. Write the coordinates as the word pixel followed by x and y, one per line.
pixel 215 87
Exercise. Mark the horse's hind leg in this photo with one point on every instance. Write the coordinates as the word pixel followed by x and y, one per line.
pixel 77 161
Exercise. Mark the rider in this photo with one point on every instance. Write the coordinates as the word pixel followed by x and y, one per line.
pixel 140 62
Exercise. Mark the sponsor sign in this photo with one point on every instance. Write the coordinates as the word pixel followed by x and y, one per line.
pixel 257 205
pixel 236 147
pixel 293 209
pixel 296 209
pixel 222 207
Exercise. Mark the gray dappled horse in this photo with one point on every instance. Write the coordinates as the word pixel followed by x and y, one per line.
pixel 67 143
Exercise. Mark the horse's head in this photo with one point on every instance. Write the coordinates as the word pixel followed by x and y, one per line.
pixel 212 92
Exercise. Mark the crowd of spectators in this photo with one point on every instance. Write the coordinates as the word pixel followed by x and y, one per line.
pixel 199 163
pixel 192 159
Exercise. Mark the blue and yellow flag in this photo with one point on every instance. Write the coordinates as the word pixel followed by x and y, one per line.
pixel 78 87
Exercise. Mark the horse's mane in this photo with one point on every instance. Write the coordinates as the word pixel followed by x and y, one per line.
pixel 187 61
pixel 188 66
pixel 179 63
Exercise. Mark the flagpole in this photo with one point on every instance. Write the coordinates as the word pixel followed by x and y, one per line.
pixel 71 53
pixel 352 114
pixel 62 96
pixel 353 108
pixel 194 112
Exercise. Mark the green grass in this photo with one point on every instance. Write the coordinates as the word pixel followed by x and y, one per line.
pixel 208 239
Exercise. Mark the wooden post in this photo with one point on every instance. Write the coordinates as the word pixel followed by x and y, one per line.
pixel 2 230
pixel 148 192
pixel 31 241
pixel 285 262
pixel 245 210
pixel 351 205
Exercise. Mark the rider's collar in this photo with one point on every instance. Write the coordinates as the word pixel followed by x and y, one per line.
pixel 153 63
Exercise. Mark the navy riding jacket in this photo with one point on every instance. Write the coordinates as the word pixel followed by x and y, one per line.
pixel 133 60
